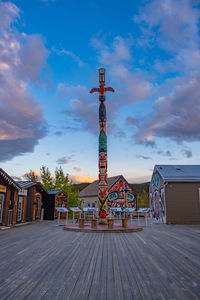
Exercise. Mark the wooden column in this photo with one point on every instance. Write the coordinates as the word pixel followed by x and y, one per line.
pixel 6 206
pixel 40 207
pixel 33 204
pixel 24 209
pixel 14 205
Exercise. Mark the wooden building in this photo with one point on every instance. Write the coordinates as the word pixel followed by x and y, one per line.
pixel 175 194
pixel 53 199
pixel 117 186
pixel 31 200
pixel 8 199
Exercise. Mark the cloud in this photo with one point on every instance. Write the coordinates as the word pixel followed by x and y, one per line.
pixel 80 178
pixel 175 117
pixel 78 169
pixel 171 28
pixel 16 178
pixel 21 59
pixel 71 54
pixel 164 153
pixel 35 172
pixel 58 133
pixel 132 121
pixel 141 179
pixel 187 153
pixel 174 22
pixel 9 12
pixel 65 160
pixel 131 86
pixel 143 157
pixel 83 113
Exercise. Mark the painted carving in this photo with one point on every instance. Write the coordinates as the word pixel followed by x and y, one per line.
pixel 102 142
pixel 157 198
pixel 103 181
pixel 116 195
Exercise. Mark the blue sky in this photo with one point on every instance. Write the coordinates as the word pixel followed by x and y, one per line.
pixel 50 52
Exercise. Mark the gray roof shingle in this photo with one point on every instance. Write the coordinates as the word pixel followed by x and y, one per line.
pixel 25 184
pixel 54 192
pixel 92 189
pixel 179 172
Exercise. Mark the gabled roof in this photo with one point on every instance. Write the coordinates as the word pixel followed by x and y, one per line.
pixel 55 192
pixel 92 189
pixel 9 180
pixel 186 173
pixel 28 184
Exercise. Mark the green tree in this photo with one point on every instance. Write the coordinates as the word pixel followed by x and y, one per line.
pixel 47 179
pixel 62 182
pixel 59 182
pixel 31 176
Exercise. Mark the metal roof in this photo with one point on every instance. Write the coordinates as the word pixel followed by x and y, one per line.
pixel 92 189
pixel 25 184
pixel 9 180
pixel 179 172
pixel 54 192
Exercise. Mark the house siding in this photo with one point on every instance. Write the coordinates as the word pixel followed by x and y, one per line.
pixel 182 203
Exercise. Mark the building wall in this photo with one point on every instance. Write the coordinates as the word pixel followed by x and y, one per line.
pixel 4 192
pixel 49 207
pixel 29 204
pixel 10 204
pixel 116 195
pixel 182 203
pixel 89 201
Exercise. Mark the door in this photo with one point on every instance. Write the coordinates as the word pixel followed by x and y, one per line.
pixel 2 198
pixel 37 209
pixel 20 209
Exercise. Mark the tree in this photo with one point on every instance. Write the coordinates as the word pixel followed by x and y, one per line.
pixel 31 176
pixel 47 179
pixel 59 182
pixel 62 182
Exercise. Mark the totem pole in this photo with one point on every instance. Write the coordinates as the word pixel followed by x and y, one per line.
pixel 103 180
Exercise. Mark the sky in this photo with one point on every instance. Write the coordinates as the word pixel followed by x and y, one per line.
pixel 50 53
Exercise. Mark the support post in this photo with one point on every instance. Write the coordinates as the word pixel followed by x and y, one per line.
pixel 66 218
pixel 59 218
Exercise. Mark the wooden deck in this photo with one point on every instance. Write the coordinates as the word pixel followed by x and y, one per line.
pixel 42 261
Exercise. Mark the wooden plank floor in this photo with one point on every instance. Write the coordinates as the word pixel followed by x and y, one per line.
pixel 42 261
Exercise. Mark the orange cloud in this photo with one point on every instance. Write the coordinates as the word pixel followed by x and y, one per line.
pixel 80 178
pixel 37 173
